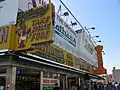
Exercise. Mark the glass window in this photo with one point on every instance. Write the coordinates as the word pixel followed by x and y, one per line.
pixel 50 75
pixel 45 74
pixel 56 76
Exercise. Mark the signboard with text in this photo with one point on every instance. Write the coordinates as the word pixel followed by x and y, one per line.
pixel 48 83
pixel 65 36
pixel 50 52
pixel 86 48
pixel 34 26
pixel 54 53
pixel 6 37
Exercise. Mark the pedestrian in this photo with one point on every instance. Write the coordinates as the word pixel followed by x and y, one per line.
pixel 110 86
pixel 105 87
pixel 116 86
pixel 56 87
pixel 74 87
pixel 95 86
pixel 119 86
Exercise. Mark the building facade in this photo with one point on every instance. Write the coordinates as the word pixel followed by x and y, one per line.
pixel 116 74
pixel 36 50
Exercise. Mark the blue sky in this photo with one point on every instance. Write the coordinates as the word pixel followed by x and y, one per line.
pixel 105 16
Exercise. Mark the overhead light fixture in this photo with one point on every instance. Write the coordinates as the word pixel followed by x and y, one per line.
pixel 65 14
pixel 93 28
pixel 98 41
pixel 95 36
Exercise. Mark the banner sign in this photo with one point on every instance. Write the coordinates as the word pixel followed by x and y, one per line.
pixel 88 43
pixel 86 48
pixel 65 36
pixel 54 53
pixel 6 16
pixel 34 26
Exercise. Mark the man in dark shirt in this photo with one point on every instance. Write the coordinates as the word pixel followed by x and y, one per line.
pixel 56 87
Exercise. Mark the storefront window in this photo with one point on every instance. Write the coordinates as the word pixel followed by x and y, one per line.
pixel 45 74
pixel 55 76
pixel 2 83
pixel 50 75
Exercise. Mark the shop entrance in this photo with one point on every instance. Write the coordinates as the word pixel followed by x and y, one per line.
pixel 72 81
pixel 2 78
pixel 2 82
pixel 27 80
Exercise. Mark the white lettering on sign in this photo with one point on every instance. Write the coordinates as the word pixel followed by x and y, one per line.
pixel 3 34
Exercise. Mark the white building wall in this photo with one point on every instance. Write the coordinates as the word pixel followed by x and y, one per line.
pixel 116 75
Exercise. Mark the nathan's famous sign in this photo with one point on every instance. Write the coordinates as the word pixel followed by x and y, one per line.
pixel 54 53
pixel 34 26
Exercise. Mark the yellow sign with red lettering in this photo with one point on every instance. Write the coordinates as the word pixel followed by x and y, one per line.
pixel 34 26
pixel 6 34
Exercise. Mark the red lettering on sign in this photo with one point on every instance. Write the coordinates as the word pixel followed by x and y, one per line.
pixel 53 81
pixel 40 35
pixel 46 81
pixel 49 81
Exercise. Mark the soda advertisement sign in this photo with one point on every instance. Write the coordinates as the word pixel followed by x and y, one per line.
pixel 49 51
pixel 65 36
pixel 6 6
pixel 34 26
